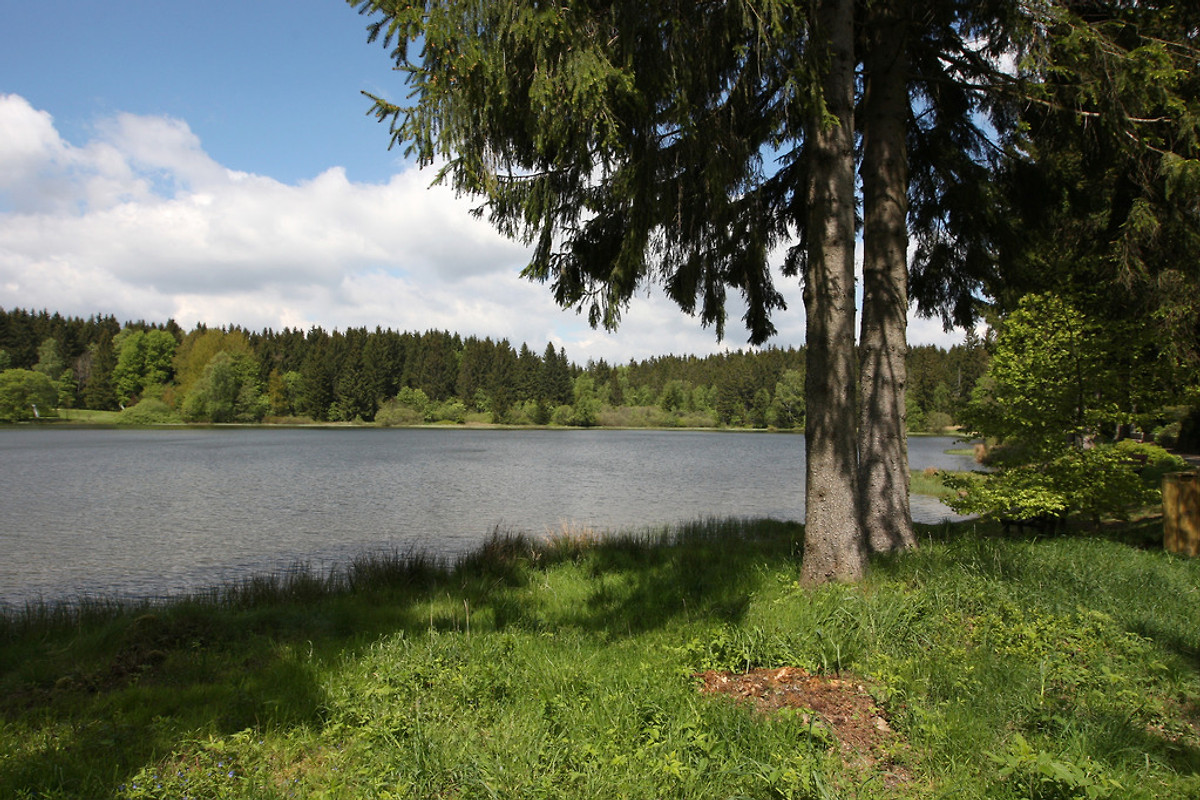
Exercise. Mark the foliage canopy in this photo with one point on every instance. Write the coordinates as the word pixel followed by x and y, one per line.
pixel 626 141
pixel 1049 399
pixel 25 395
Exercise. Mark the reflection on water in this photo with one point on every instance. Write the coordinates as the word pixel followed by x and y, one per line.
pixel 149 513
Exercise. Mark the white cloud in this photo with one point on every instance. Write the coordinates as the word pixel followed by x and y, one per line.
pixel 142 223
pixel 29 137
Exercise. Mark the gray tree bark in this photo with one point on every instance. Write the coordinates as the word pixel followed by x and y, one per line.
pixel 882 436
pixel 833 545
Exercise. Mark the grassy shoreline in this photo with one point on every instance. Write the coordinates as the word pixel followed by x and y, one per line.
pixel 105 419
pixel 1005 667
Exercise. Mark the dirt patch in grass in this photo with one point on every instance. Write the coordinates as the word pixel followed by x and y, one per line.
pixel 842 705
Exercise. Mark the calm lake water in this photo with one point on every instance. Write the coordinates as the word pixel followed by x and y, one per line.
pixel 158 512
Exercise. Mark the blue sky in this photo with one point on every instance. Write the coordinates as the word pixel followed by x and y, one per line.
pixel 214 162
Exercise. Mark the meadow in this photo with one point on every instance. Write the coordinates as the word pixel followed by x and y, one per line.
pixel 685 662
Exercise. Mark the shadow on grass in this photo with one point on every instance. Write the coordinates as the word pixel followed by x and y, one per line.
pixel 626 584
pixel 106 689
pixel 91 694
pixel 166 677
pixel 1120 578
pixel 704 570
pixel 92 698
pixel 1128 744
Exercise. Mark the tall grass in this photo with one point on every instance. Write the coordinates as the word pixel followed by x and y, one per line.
pixel 928 481
pixel 1008 667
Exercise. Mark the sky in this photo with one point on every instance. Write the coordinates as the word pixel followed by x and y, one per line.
pixel 214 163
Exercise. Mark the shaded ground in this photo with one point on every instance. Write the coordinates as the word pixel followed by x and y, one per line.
pixel 842 705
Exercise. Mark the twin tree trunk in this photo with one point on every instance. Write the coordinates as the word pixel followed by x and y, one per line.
pixel 857 480
pixel 882 436
pixel 834 548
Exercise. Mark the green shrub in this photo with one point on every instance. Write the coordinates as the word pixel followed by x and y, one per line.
pixel 938 421
pixel 148 411
pixel 1151 461
pixel 654 417
pixel 1020 493
pixel 1047 775
pixel 449 411
pixel 392 413
pixel 697 419
pixel 1100 481
pixel 1097 482
pixel 1167 435
pixel 633 417
pixel 409 407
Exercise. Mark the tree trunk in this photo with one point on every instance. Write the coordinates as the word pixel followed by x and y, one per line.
pixel 833 545
pixel 882 438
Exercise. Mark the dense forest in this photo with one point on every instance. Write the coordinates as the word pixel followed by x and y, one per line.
pixel 159 372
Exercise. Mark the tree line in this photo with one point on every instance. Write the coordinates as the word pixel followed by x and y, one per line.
pixel 235 375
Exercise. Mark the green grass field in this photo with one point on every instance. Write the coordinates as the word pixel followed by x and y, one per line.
pixel 997 667
pixel 83 416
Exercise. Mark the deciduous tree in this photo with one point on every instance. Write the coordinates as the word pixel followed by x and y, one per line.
pixel 1048 399
pixel 25 395
pixel 50 360
pixel 145 358
pixel 226 391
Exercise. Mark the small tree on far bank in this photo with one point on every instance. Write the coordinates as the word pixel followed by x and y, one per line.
pixel 26 395
pixel 587 405
pixel 50 360
pixel 226 391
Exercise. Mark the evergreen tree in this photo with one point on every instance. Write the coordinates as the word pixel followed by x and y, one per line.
pixel 317 374
pixel 626 142
pixel 501 380
pixel 474 368
pixel 383 364
pixel 99 393
pixel 734 392
pixel 527 378
pixel 353 394
pixel 556 386
pixel 68 389
pixel 436 364
pixel 882 428
pixel 1100 180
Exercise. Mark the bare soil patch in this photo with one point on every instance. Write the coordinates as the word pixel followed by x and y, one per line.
pixel 843 705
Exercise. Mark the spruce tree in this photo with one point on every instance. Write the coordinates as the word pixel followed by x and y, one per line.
pixel 676 143
pixel 1101 179
pixel 99 393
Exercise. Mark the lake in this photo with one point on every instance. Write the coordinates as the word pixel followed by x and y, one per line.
pixel 151 513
